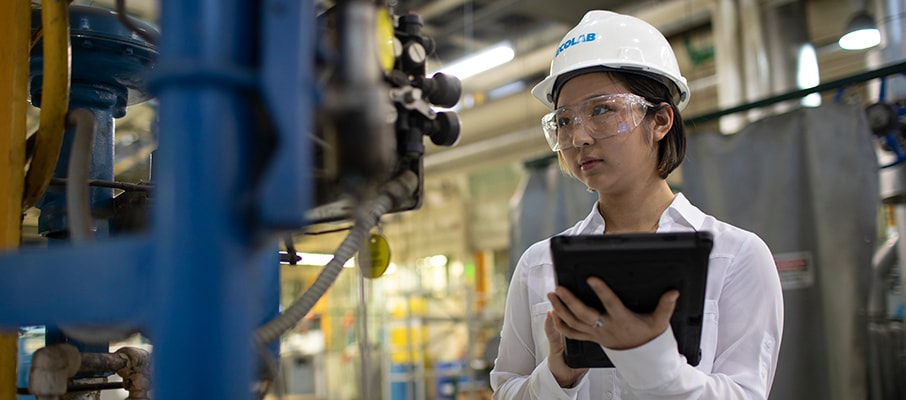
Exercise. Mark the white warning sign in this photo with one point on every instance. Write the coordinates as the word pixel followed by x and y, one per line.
pixel 796 269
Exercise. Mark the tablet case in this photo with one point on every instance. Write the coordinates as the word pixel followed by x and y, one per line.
pixel 639 268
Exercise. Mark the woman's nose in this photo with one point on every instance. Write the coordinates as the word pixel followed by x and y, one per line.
pixel 581 137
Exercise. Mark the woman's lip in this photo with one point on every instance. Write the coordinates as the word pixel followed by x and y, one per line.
pixel 588 163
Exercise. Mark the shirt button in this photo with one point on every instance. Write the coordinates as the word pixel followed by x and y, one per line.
pixel 609 395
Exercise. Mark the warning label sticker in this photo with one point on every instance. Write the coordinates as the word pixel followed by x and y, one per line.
pixel 796 269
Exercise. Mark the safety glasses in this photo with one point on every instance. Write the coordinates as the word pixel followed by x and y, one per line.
pixel 602 117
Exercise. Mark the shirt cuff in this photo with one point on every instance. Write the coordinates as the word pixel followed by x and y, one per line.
pixel 649 365
pixel 548 388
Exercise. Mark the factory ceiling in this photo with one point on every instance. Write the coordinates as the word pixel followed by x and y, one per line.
pixel 461 26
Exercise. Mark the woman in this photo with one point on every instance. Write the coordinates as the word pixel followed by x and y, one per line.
pixel 617 128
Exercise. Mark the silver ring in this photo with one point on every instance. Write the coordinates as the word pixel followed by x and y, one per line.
pixel 598 322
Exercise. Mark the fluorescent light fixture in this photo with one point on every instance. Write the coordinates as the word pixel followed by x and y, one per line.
pixel 861 33
pixel 808 75
pixel 506 90
pixel 316 259
pixel 479 62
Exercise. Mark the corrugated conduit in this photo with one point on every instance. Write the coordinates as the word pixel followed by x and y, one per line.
pixel 366 217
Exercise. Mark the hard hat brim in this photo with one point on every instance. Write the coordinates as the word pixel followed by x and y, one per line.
pixel 545 91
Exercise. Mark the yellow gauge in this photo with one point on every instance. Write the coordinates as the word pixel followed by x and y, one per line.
pixel 378 257
pixel 384 39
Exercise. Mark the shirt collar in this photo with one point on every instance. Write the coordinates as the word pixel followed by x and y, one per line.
pixel 680 212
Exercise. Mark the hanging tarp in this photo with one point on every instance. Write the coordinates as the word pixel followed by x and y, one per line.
pixel 807 183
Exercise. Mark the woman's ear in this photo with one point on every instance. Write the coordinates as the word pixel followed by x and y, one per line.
pixel 663 121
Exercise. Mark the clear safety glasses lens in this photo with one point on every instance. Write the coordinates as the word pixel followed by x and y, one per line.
pixel 601 117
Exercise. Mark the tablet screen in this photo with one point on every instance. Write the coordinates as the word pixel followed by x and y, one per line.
pixel 639 268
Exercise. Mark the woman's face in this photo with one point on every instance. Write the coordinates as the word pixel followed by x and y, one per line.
pixel 615 164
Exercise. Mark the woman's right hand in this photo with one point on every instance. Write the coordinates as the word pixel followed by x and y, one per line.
pixel 565 375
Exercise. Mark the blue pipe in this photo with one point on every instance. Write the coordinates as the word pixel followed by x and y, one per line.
pixel 205 253
pixel 116 293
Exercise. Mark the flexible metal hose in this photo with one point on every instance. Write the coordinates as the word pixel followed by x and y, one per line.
pixel 366 217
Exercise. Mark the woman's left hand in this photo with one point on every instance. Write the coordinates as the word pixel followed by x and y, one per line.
pixel 619 328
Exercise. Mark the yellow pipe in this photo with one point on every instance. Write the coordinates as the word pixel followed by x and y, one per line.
pixel 13 92
pixel 54 99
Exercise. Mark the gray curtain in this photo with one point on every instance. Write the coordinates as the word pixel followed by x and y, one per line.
pixel 547 202
pixel 807 183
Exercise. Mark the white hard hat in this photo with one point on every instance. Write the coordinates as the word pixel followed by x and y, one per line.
pixel 615 42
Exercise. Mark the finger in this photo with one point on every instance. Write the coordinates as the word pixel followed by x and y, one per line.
pixel 665 307
pixel 582 313
pixel 552 326
pixel 564 322
pixel 609 299
pixel 563 311
pixel 562 328
pixel 549 328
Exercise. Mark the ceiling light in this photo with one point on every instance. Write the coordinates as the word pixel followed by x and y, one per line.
pixel 861 33
pixel 808 75
pixel 479 62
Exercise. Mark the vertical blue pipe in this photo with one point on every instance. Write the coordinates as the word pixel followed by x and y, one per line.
pixel 204 267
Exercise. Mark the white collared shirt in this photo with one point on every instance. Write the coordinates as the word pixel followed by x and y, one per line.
pixel 741 331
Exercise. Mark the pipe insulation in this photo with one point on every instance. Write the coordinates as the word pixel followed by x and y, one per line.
pixel 78 201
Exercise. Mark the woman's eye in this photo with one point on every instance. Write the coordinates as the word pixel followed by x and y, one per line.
pixel 561 122
pixel 599 109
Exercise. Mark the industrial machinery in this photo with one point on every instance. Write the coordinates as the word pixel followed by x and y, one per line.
pixel 273 116
pixel 884 314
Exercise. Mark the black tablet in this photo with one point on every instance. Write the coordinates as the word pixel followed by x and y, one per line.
pixel 639 268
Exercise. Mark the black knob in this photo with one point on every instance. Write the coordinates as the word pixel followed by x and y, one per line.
pixel 411 23
pixel 445 129
pixel 443 90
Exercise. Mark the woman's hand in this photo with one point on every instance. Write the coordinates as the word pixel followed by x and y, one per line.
pixel 564 374
pixel 619 328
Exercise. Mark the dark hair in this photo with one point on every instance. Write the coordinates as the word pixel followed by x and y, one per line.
pixel 672 148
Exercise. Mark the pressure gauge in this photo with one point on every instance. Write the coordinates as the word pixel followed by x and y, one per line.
pixel 416 53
